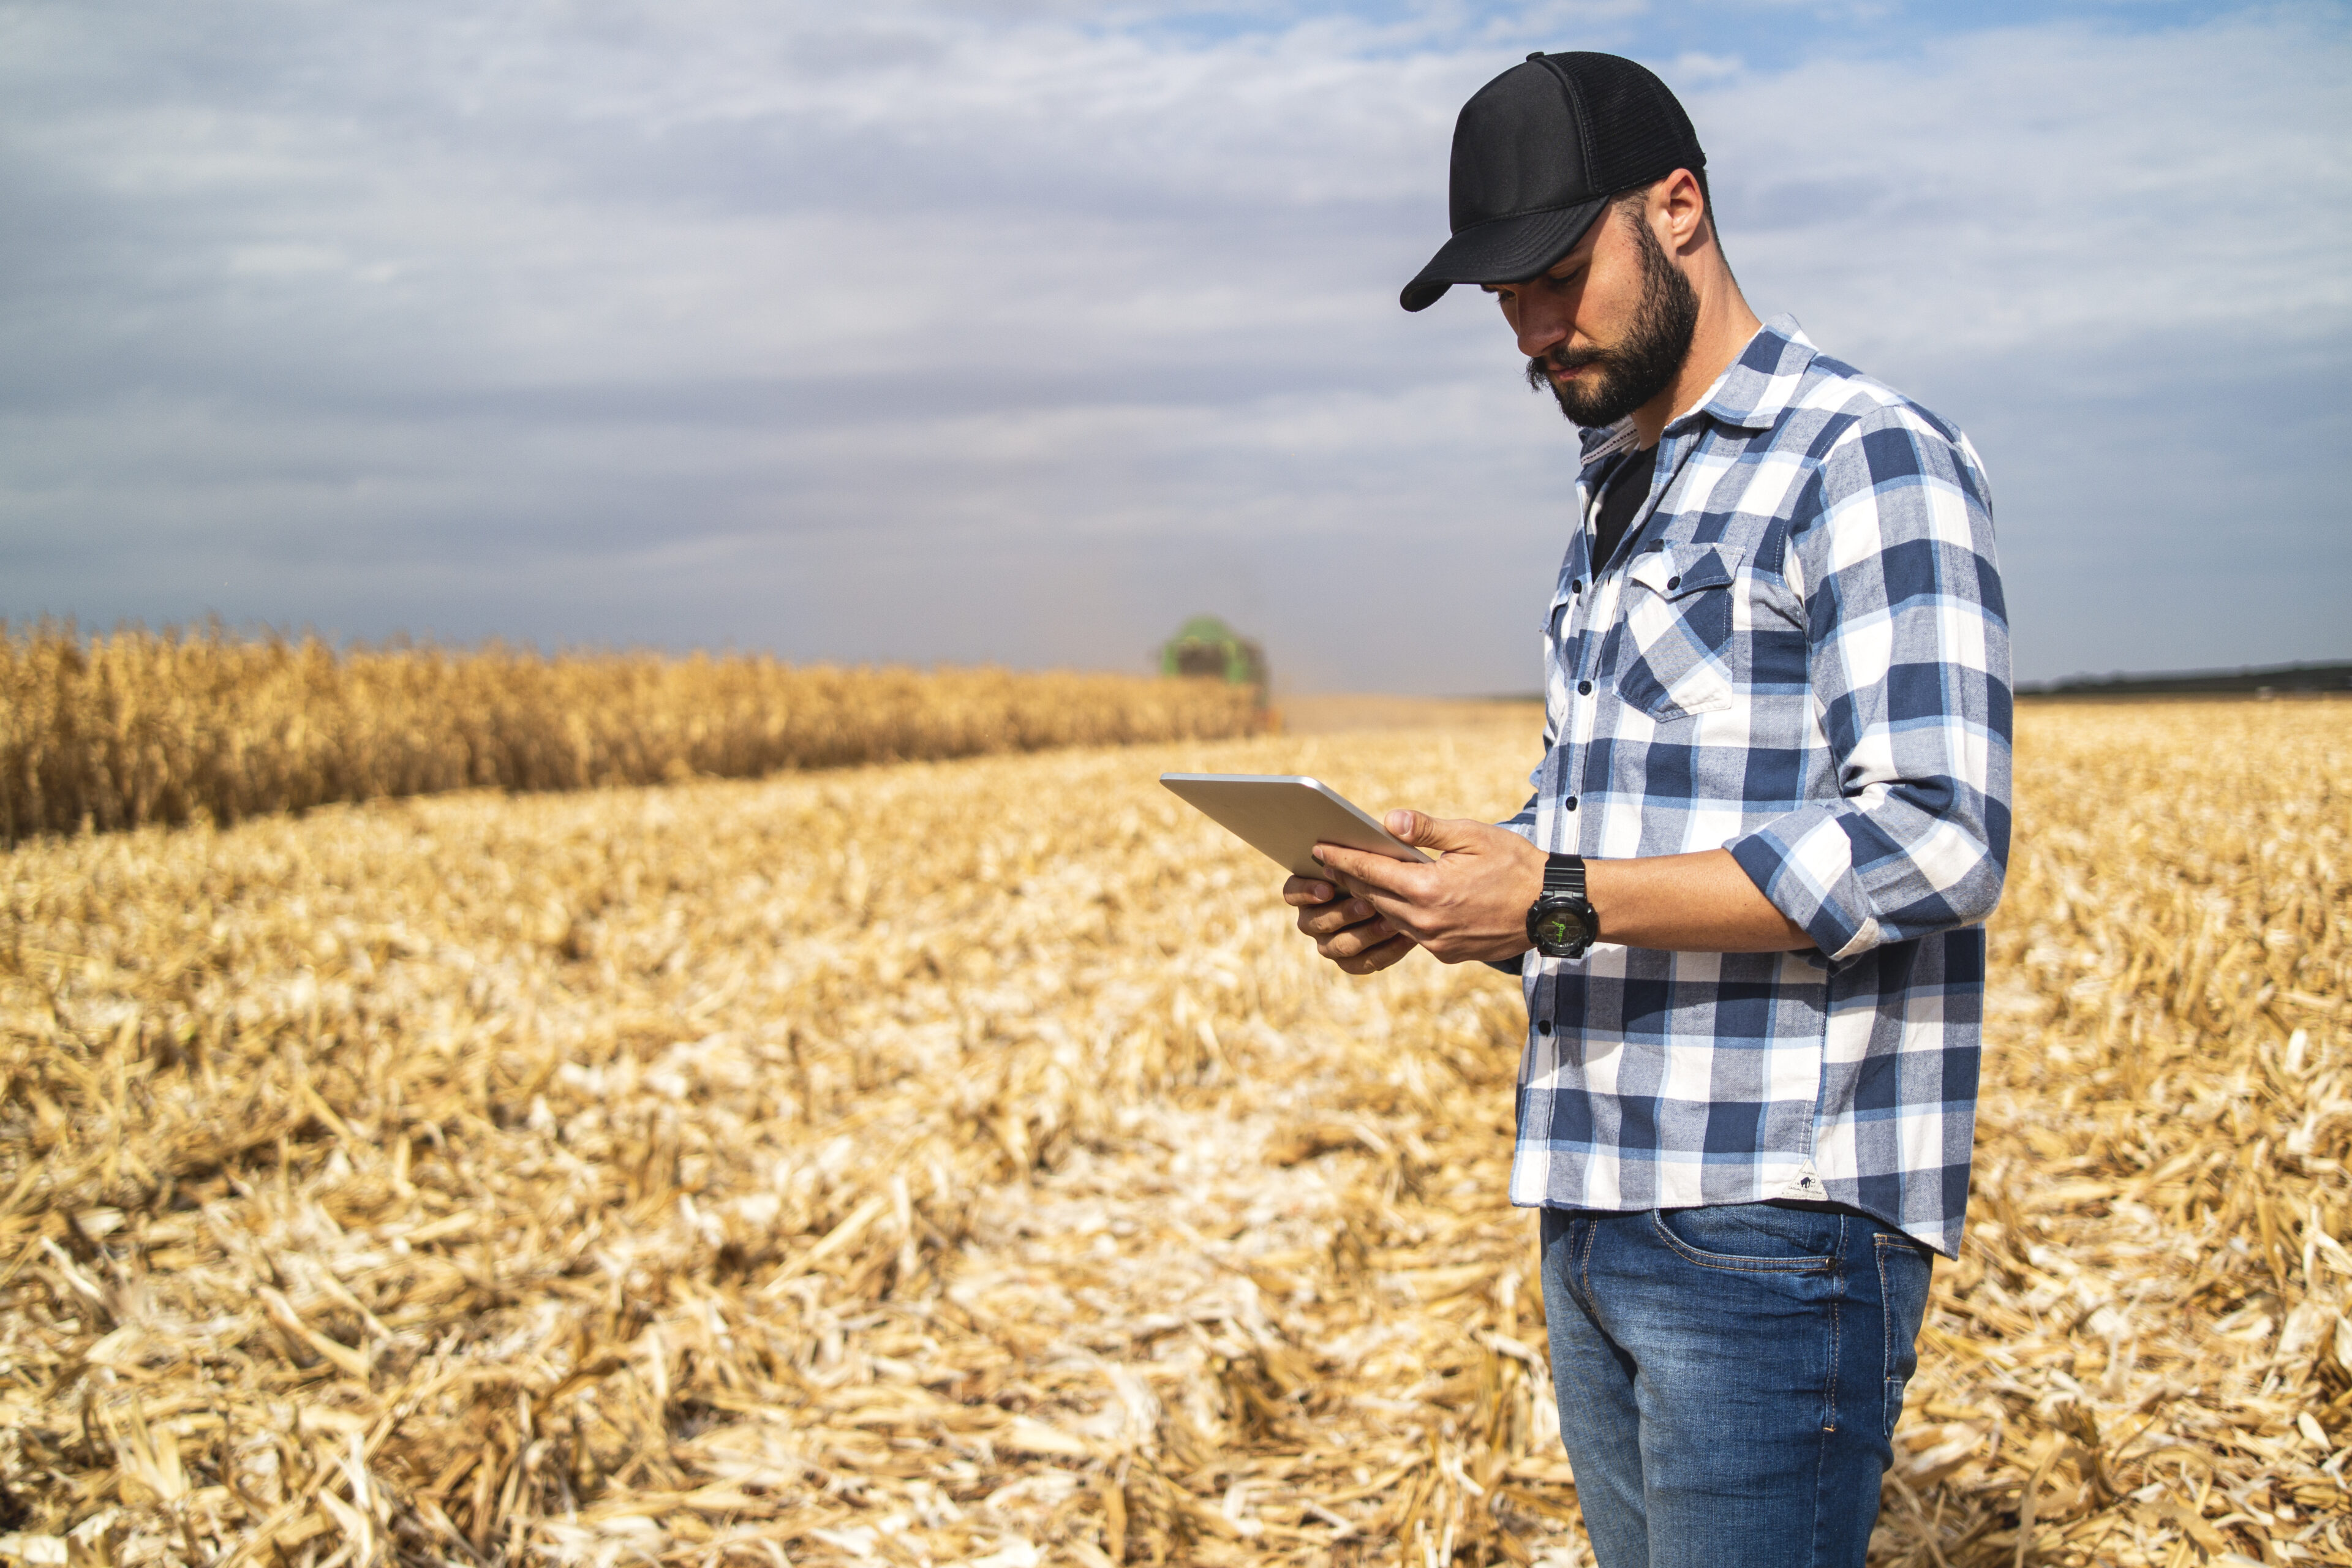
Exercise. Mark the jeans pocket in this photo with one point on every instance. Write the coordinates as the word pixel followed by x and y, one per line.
pixel 1756 1238
pixel 1904 1271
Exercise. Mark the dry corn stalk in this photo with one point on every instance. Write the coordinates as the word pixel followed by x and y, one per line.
pixel 135 728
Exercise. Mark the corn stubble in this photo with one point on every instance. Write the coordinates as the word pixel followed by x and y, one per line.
pixel 144 727
pixel 965 1163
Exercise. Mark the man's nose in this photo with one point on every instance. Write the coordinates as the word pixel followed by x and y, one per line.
pixel 1540 329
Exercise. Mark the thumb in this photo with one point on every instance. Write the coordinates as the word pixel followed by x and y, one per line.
pixel 1424 831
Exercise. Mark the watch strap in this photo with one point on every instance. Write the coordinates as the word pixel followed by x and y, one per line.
pixel 1564 874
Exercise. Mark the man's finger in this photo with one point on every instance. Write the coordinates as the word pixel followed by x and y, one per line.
pixel 1354 938
pixel 1322 919
pixel 1302 891
pixel 1442 834
pixel 1361 870
pixel 1374 959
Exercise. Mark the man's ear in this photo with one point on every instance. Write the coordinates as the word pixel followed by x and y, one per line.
pixel 1679 207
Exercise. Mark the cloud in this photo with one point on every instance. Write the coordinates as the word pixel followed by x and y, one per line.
pixel 2023 187
pixel 1022 331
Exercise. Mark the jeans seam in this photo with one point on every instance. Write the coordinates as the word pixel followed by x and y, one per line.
pixel 1733 1265
pixel 1837 1317
pixel 1887 1417
pixel 1820 1487
pixel 1837 1304
pixel 1886 1307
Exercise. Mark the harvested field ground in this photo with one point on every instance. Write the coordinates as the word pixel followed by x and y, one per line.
pixel 965 1162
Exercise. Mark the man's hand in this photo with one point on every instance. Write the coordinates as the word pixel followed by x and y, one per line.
pixel 1470 903
pixel 1346 930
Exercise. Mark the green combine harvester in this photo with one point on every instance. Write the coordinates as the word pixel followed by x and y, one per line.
pixel 1207 646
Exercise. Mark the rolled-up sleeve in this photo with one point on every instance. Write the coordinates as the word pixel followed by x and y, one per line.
pixel 1908 656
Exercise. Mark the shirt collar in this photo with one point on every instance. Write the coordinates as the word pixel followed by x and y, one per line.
pixel 1751 394
pixel 1756 388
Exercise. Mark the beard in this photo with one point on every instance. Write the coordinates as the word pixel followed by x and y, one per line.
pixel 1641 365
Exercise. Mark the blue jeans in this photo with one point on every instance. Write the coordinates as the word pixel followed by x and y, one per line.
pixel 1729 1377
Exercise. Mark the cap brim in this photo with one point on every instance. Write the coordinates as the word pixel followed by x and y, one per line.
pixel 1502 250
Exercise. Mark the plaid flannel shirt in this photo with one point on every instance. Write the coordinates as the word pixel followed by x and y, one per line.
pixel 1800 655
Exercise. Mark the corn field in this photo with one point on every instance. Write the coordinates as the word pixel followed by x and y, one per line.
pixel 143 727
pixel 965 1162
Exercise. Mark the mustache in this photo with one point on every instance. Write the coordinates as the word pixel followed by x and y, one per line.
pixel 1540 367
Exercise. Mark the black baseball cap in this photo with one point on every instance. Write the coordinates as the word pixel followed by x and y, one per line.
pixel 1538 153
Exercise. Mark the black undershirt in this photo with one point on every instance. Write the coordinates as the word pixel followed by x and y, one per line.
pixel 1629 487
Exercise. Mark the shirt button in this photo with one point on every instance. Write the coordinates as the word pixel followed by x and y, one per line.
pixel 1576 584
pixel 1584 688
pixel 1673 583
pixel 1570 803
pixel 1543 1025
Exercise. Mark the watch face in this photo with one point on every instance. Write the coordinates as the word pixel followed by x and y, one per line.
pixel 1558 928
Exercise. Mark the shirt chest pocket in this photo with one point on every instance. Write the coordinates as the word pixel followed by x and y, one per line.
pixel 1675 631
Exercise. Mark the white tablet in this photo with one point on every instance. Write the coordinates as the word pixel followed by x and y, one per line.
pixel 1284 816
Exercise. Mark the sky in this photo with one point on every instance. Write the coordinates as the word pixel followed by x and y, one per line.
pixel 1018 331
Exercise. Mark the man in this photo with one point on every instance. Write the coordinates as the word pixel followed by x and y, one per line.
pixel 1770 819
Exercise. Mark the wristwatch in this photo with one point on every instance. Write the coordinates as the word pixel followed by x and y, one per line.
pixel 1561 923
